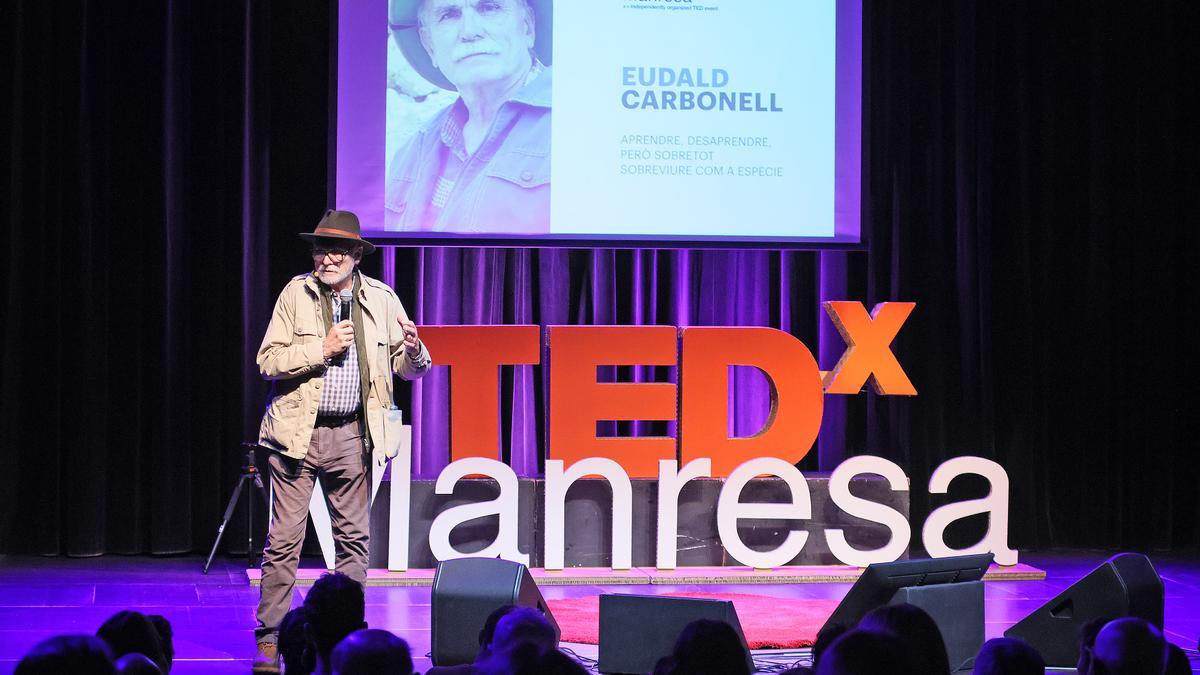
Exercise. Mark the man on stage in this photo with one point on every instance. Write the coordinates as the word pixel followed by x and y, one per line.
pixel 333 383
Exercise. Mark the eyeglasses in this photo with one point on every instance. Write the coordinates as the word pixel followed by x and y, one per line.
pixel 337 255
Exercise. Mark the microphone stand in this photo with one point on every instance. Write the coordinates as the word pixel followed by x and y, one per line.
pixel 250 474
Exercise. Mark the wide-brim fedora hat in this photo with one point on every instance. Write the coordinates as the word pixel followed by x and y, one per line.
pixel 402 17
pixel 339 225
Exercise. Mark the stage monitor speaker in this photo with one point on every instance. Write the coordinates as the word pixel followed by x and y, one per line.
pixel 637 630
pixel 465 591
pixel 950 590
pixel 957 609
pixel 1125 585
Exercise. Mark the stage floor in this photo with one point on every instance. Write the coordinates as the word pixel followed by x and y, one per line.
pixel 682 576
pixel 213 615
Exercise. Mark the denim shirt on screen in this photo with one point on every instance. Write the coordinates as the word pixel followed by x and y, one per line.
pixel 503 188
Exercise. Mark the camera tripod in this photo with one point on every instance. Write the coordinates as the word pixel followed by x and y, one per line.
pixel 251 475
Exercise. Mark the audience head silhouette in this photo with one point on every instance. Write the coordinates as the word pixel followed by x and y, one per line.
pixel 916 628
pixel 333 609
pixel 1008 656
pixel 523 625
pixel 1087 639
pixel 706 647
pixel 487 633
pixel 81 654
pixel 825 637
pixel 1129 646
pixel 371 651
pixel 1177 661
pixel 290 642
pixel 863 652
pixel 165 638
pixel 487 637
pixel 129 632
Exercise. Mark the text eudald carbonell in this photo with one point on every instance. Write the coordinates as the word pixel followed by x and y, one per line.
pixel 676 89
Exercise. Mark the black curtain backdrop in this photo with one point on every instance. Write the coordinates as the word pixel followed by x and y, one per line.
pixel 1029 174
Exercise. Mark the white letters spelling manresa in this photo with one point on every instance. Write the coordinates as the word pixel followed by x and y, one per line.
pixel 670 482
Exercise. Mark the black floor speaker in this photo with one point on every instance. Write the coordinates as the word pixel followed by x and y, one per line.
pixel 637 630
pixel 949 589
pixel 1125 585
pixel 957 609
pixel 465 591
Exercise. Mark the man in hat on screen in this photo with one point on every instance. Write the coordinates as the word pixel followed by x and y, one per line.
pixel 326 419
pixel 482 164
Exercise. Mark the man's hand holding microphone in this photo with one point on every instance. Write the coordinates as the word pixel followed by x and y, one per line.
pixel 338 340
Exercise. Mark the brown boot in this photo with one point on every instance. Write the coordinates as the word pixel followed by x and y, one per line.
pixel 267 659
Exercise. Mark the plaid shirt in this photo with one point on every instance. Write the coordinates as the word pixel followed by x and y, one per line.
pixel 341 393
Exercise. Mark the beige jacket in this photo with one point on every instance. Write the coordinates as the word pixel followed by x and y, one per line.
pixel 291 354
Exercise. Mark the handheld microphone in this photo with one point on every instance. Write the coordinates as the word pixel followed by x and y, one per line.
pixel 345 314
pixel 346 296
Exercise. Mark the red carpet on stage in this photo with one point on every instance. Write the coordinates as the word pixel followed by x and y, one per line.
pixel 768 622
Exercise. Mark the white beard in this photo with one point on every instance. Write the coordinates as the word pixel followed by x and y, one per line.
pixel 336 280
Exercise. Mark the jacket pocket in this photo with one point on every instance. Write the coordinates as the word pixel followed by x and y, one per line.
pixel 291 400
pixel 280 421
pixel 528 170
pixel 514 195
pixel 306 331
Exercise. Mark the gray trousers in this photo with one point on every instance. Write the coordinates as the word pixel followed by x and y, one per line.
pixel 338 456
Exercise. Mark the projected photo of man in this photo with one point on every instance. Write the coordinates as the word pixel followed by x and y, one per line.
pixel 482 163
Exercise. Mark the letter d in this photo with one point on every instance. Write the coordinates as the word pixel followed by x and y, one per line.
pixel 797 400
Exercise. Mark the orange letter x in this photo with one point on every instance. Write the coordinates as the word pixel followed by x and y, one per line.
pixel 868 354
